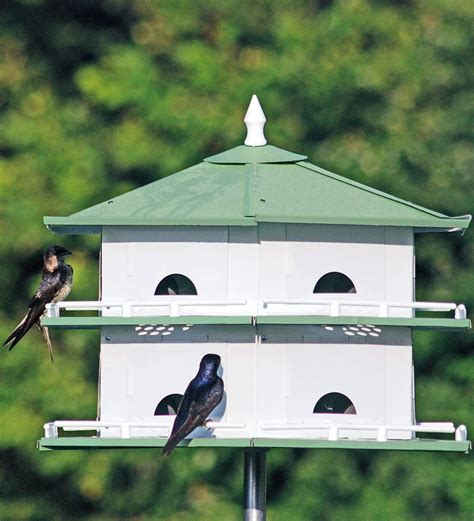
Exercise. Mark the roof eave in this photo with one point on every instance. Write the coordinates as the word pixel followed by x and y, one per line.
pixel 448 224
pixel 93 225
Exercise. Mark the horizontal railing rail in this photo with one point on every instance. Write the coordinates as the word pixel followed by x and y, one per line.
pixel 51 429
pixel 177 306
pixel 126 307
pixel 334 431
pixel 335 307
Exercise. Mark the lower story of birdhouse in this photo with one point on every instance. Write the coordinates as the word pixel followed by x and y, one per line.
pixel 327 383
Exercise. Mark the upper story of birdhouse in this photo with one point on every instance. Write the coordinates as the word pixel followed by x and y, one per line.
pixel 258 230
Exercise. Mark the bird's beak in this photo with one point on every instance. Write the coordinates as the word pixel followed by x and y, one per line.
pixel 67 252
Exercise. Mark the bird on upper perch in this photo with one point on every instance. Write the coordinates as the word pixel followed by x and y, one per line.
pixel 55 285
pixel 202 396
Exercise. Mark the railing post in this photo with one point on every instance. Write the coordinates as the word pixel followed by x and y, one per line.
pixel 334 309
pixel 174 309
pixel 50 430
pixel 255 485
pixel 52 310
pixel 460 433
pixel 381 434
pixel 460 312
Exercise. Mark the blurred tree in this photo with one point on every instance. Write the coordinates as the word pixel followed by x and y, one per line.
pixel 98 97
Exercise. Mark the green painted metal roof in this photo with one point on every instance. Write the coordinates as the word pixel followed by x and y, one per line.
pixel 418 323
pixel 68 322
pixel 247 185
pixel 242 155
pixel 423 323
pixel 91 442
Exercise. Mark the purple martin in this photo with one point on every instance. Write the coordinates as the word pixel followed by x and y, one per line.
pixel 202 396
pixel 55 285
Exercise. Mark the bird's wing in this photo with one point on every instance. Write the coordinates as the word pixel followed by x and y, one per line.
pixel 183 408
pixel 207 399
pixel 195 407
pixel 198 400
pixel 49 287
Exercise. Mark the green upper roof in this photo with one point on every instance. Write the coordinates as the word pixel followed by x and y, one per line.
pixel 247 185
pixel 242 155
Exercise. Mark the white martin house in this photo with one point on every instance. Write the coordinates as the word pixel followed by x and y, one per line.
pixel 303 281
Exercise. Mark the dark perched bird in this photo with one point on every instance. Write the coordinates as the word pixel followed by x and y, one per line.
pixel 55 285
pixel 203 394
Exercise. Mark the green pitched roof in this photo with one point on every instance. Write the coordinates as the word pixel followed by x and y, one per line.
pixel 264 154
pixel 247 185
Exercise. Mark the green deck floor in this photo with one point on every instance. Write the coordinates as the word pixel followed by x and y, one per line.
pixel 90 442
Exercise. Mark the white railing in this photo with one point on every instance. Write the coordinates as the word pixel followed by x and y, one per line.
pixel 335 308
pixel 177 307
pixel 334 430
pixel 51 429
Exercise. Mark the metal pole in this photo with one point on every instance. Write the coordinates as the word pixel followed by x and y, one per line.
pixel 255 485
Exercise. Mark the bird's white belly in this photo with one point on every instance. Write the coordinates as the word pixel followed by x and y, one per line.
pixel 62 293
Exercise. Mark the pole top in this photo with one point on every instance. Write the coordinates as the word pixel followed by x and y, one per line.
pixel 255 121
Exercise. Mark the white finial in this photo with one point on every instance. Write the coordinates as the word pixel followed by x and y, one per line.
pixel 255 120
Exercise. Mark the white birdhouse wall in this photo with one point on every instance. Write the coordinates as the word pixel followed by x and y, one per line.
pixel 135 260
pixel 139 368
pixel 267 261
pixel 273 374
pixel 278 380
pixel 298 367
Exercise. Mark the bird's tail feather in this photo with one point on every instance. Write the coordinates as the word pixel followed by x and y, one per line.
pixel 45 332
pixel 17 334
pixel 177 436
pixel 170 445
pixel 174 439
pixel 23 327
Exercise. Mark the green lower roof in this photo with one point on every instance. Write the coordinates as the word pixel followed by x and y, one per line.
pixel 439 324
pixel 84 443
pixel 248 185
pixel 436 324
pixel 98 322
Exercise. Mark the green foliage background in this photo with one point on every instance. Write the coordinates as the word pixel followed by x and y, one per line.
pixel 99 97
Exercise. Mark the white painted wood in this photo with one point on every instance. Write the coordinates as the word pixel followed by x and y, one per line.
pixel 331 432
pixel 355 251
pixel 271 385
pixel 355 371
pixel 271 261
pixel 199 253
pixel 398 386
pixel 295 370
pixel 242 262
pixel 399 266
pixel 274 375
pixel 377 260
pixel 283 261
pixel 181 306
pixel 138 370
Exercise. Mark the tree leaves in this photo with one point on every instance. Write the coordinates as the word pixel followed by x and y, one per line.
pixel 97 98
